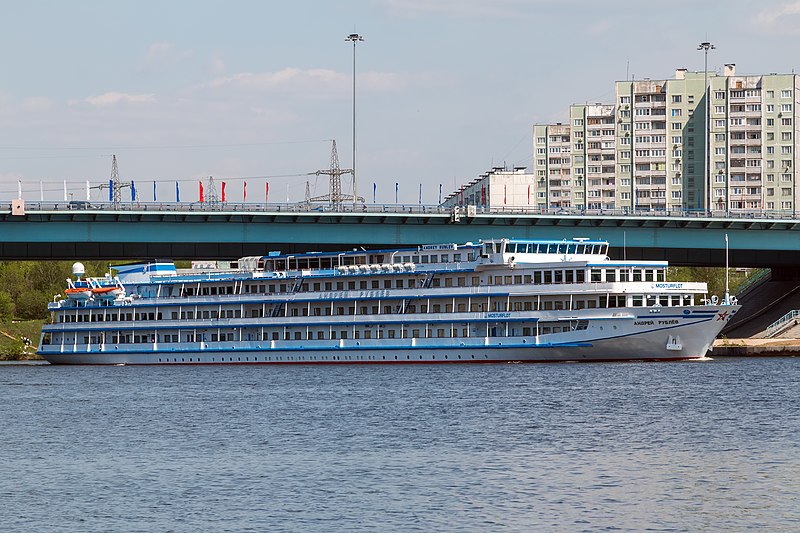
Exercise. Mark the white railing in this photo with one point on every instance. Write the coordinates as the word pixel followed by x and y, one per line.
pixel 783 323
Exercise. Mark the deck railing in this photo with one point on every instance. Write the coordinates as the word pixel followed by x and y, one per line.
pixel 786 321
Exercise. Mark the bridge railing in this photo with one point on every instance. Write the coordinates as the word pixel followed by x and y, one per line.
pixel 252 207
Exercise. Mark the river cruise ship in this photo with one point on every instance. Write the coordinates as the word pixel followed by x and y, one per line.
pixel 498 300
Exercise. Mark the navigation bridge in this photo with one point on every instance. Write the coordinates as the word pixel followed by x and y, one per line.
pixel 80 230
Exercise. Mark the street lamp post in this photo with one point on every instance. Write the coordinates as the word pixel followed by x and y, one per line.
pixel 355 38
pixel 705 47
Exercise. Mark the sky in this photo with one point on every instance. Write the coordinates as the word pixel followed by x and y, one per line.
pixel 255 91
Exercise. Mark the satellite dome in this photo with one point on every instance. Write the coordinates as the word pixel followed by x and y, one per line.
pixel 78 269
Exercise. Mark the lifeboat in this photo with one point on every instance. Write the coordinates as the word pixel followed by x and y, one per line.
pixel 108 293
pixel 78 293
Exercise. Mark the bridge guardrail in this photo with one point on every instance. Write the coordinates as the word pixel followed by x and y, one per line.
pixel 786 321
pixel 94 206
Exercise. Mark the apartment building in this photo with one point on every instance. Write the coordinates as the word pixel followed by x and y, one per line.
pixel 662 145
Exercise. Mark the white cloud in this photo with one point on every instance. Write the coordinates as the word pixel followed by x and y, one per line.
pixel 163 55
pixel 114 98
pixel 37 103
pixel 217 64
pixel 462 8
pixel 287 78
pixel 783 20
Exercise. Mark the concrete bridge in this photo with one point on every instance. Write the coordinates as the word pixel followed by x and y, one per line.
pixel 79 230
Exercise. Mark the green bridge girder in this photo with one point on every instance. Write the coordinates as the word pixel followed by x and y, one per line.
pixel 226 234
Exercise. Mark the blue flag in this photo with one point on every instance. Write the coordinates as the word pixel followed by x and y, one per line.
pixel 154 190
pixel 177 193
pixel 374 190
pixel 420 194
pixel 133 192
pixel 396 190
pixel 110 190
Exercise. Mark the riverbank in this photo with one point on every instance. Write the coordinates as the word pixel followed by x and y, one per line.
pixel 13 346
pixel 756 348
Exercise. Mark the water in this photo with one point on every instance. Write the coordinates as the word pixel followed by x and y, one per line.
pixel 564 447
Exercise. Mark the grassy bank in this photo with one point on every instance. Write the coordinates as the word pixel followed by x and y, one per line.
pixel 12 347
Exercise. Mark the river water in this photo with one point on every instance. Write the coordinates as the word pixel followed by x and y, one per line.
pixel 699 446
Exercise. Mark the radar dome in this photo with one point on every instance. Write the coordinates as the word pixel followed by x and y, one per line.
pixel 78 269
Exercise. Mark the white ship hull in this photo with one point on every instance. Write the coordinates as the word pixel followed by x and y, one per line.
pixel 687 333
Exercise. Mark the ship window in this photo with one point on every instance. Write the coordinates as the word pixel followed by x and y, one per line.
pixel 351 285
pixel 595 274
pixel 569 276
pixel 580 276
pixel 637 300
pixel 579 304
pixel 316 287
pixel 424 259
pixel 548 276
pixel 537 277
pixel 675 300
pixel 297 335
pixel 637 274
pixel 650 275
pixel 558 276
pixel 476 281
pixel 399 283
pixel 663 300
pixel 651 300
pixel 611 275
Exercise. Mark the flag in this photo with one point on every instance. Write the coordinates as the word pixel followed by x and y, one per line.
pixel 266 193
pixel 505 193
pixel 110 190
pixel 154 190
pixel 440 193
pixel 483 196
pixel 177 192
pixel 529 194
pixel 396 190
pixel 19 189
pixel 87 191
pixel 133 191
pixel 244 192
pixel 374 191
pixel 202 196
pixel 65 190
pixel 223 192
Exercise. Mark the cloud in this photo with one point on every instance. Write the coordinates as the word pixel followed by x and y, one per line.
pixel 464 8
pixel 601 27
pixel 163 55
pixel 287 78
pixel 114 98
pixel 217 64
pixel 783 20
pixel 37 103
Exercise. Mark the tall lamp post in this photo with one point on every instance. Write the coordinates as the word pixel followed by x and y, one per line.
pixel 705 47
pixel 355 38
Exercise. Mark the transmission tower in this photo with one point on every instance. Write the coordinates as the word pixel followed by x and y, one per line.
pixel 212 197
pixel 334 196
pixel 115 184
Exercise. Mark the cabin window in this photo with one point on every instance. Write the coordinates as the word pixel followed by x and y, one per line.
pixel 387 284
pixel 328 286
pixel 637 274
pixel 637 300
pixel 548 276
pixel 596 275
pixel 399 283
pixel 537 277
pixel 663 300
pixel 558 276
pixel 476 281
pixel 675 300
pixel 456 257
pixel 362 284
pixel 651 300
pixel 650 275
pixel 569 276
pixel 340 285
pixel 611 275
pixel 424 259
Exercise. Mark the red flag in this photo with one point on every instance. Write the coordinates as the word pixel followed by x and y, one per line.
pixel 529 195
pixel 505 191
pixel 483 195
pixel 202 197
pixel 244 194
pixel 223 192
pixel 266 193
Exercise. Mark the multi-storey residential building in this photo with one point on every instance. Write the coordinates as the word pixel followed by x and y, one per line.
pixel 672 148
